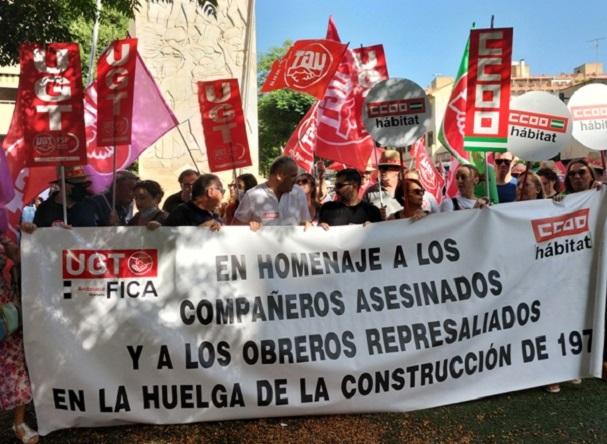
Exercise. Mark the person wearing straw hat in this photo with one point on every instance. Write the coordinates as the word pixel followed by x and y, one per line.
pixel 382 193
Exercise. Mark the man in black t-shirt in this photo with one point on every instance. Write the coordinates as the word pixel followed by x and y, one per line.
pixel 186 180
pixel 349 209
pixel 207 192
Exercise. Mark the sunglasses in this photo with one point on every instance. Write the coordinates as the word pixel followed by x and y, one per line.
pixel 389 168
pixel 418 191
pixel 503 161
pixel 581 172
pixel 339 186
pixel 302 182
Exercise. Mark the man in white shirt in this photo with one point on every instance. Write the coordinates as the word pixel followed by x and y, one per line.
pixel 275 202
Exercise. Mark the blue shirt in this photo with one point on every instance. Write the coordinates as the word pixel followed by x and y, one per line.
pixel 507 191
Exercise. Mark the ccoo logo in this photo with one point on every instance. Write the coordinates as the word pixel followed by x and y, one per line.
pixel 560 226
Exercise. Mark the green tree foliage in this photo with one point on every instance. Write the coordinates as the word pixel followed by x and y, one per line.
pixel 45 21
pixel 279 112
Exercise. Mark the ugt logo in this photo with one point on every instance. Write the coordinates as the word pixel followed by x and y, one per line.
pixel 308 65
pixel 110 264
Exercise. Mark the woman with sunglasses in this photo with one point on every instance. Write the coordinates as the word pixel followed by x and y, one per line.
pixel 467 177
pixel 411 197
pixel 308 185
pixel 244 183
pixel 580 177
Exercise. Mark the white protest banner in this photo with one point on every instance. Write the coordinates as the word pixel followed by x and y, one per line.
pixel 181 325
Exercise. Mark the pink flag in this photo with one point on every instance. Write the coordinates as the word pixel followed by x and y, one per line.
pixel 152 118
pixel 430 178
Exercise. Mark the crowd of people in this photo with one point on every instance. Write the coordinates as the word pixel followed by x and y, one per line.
pixel 287 197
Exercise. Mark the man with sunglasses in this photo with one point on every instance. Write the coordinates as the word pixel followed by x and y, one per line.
pixel 382 193
pixel 349 209
pixel 506 184
pixel 200 211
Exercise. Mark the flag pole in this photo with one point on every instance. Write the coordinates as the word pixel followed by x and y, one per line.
pixel 187 147
pixel 524 188
pixel 63 193
pixel 402 177
pixel 381 199
pixel 94 38
pixel 487 186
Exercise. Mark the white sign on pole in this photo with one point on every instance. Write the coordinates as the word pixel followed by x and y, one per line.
pixel 396 112
pixel 588 107
pixel 539 126
pixel 183 325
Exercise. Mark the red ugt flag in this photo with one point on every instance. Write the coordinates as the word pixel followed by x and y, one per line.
pixel 307 67
pixel 223 124
pixel 115 84
pixel 50 92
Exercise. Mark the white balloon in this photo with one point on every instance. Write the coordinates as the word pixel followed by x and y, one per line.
pixel 396 112
pixel 588 107
pixel 539 126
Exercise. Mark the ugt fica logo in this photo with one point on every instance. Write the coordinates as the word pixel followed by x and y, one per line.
pixel 124 273
pixel 308 66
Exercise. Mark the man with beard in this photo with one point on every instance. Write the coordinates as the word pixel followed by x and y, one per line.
pixel 382 193
pixel 349 209
pixel 276 201
pixel 81 211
